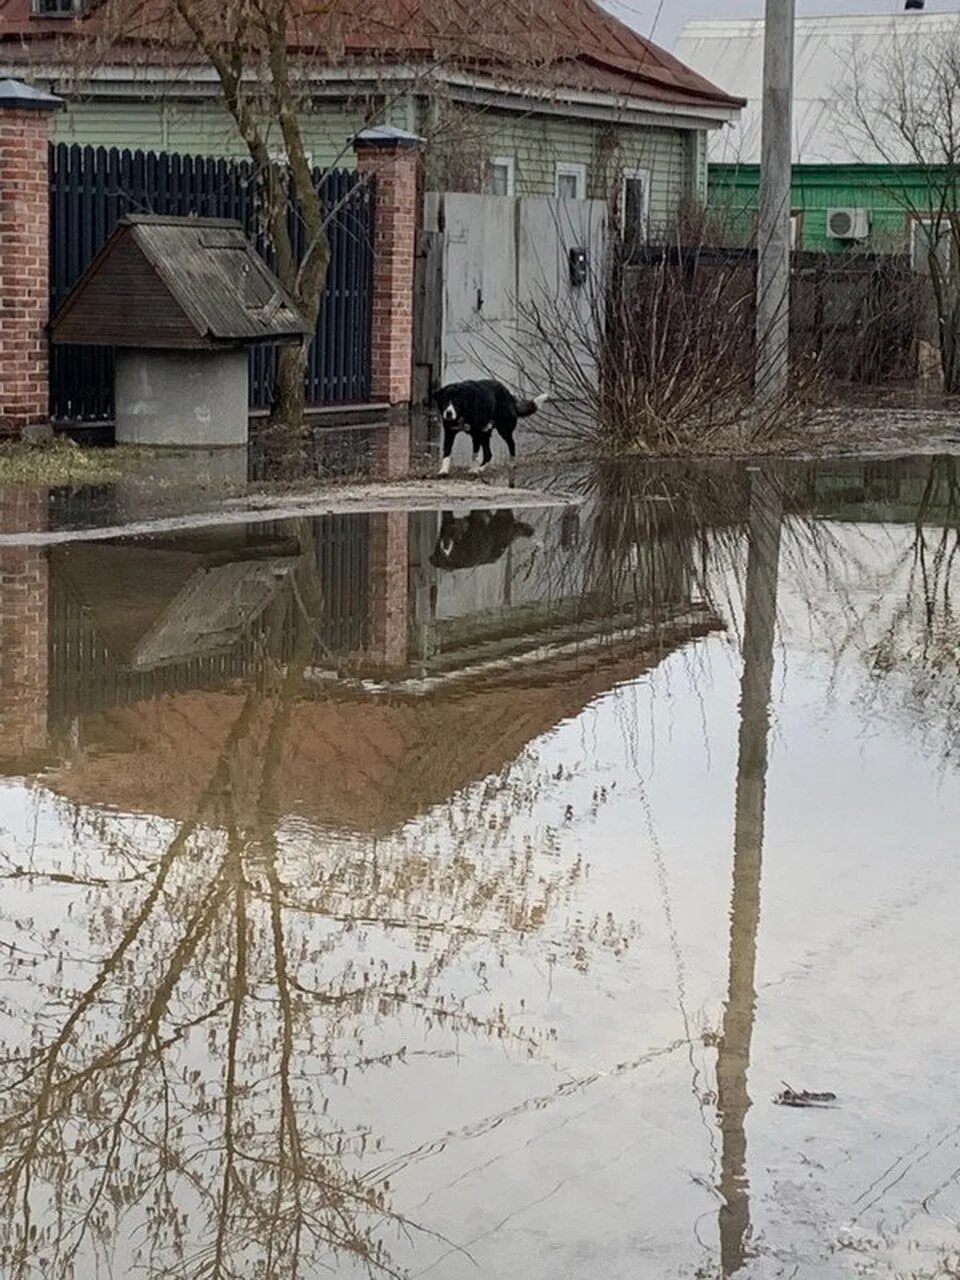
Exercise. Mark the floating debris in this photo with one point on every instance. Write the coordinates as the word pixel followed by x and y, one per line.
pixel 803 1097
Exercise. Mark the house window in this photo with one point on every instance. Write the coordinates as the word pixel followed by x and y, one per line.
pixel 796 230
pixel 57 8
pixel 571 182
pixel 635 208
pixel 279 156
pixel 931 235
pixel 499 179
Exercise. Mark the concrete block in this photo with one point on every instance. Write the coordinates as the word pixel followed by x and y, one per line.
pixel 182 397
pixel 39 434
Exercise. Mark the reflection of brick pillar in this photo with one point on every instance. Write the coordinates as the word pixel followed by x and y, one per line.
pixel 389 582
pixel 24 608
pixel 391 157
pixel 24 254
pixel 391 451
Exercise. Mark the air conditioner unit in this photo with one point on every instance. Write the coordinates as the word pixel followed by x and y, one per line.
pixel 848 224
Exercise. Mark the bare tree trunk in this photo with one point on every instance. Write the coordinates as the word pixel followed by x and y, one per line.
pixel 281 182
pixel 290 391
pixel 950 353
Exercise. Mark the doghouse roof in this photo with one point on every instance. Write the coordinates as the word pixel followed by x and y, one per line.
pixel 177 283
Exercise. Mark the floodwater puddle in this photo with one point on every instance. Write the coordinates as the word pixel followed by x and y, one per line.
pixel 556 892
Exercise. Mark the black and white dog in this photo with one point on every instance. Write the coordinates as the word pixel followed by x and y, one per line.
pixel 479 409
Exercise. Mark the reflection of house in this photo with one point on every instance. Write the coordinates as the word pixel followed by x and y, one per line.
pixel 351 762
pixel 423 680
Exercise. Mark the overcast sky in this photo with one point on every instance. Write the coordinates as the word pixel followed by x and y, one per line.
pixel 673 14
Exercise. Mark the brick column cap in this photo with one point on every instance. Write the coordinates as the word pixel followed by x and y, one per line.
pixel 386 136
pixel 18 96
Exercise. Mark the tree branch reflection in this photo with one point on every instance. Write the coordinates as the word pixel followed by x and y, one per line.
pixel 170 1070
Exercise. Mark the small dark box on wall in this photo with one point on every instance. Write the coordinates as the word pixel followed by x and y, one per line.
pixel 579 264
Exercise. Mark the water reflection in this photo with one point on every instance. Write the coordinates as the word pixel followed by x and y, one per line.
pixel 166 1101
pixel 479 537
pixel 298 905
pixel 733 1047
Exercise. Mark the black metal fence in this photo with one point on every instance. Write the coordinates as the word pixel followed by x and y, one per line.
pixel 91 188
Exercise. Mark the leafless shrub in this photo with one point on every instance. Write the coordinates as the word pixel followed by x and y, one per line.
pixel 655 351
pixel 902 112
pixel 659 359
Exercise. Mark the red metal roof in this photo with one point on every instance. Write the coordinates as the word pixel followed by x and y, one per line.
pixel 570 43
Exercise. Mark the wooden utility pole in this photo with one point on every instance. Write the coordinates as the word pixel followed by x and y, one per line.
pixel 773 245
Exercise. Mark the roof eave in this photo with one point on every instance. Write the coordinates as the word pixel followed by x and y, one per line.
pixel 589 103
pixel 124 81
pixel 694 89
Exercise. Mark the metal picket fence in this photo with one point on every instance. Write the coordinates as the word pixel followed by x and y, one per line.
pixel 92 187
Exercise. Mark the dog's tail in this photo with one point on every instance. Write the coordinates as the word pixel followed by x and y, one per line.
pixel 526 408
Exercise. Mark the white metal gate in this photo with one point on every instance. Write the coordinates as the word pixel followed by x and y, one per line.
pixel 511 307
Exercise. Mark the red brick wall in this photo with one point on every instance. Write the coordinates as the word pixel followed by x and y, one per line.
pixel 24 221
pixel 395 168
pixel 24 617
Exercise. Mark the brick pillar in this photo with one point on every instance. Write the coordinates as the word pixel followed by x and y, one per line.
pixel 392 157
pixel 24 620
pixel 24 254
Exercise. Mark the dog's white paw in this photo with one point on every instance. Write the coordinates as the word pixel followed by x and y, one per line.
pixel 444 467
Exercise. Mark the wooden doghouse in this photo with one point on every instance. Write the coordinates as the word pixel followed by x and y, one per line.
pixel 181 300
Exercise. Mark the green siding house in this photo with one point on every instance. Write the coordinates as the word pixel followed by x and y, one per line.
pixel 857 185
pixel 573 104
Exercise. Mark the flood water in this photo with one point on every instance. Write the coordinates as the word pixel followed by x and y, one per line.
pixel 452 894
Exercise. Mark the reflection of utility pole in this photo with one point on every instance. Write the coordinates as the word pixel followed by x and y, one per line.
pixel 733 1056
pixel 773 244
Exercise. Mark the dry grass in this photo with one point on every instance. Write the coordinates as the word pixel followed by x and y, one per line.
pixel 63 463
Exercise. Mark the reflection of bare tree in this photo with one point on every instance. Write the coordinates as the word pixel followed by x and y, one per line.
pixel 919 639
pixel 166 1079
pixel 883 598
pixel 733 1056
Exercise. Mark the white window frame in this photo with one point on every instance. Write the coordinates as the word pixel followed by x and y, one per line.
pixel 576 171
pixel 928 220
pixel 278 154
pixel 64 9
pixel 628 175
pixel 796 229
pixel 508 163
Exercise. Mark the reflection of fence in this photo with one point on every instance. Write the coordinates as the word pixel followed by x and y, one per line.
pixel 85 678
pixel 87 675
pixel 859 316
pixel 91 188
pixel 343 570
